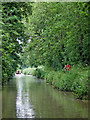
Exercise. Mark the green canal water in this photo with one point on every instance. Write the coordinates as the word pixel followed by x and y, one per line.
pixel 28 97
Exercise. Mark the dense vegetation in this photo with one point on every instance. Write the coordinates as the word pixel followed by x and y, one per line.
pixel 13 30
pixel 75 80
pixel 59 36
pixel 55 34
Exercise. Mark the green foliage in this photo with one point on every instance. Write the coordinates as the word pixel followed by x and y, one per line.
pixel 29 71
pixel 59 35
pixel 80 84
pixel 12 31
pixel 75 80
pixel 38 72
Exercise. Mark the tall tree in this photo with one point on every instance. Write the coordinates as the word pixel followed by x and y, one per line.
pixel 59 34
pixel 13 36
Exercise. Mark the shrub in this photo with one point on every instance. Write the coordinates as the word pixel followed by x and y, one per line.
pixel 75 80
pixel 40 73
pixel 29 71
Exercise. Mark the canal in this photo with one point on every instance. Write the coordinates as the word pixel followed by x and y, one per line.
pixel 28 97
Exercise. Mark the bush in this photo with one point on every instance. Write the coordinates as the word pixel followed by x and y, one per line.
pixel 50 77
pixel 80 85
pixel 29 71
pixel 75 80
pixel 40 73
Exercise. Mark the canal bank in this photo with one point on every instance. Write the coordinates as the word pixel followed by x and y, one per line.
pixel 75 80
pixel 29 97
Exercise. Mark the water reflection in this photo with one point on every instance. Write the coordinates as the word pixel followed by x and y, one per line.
pixel 28 97
pixel 23 105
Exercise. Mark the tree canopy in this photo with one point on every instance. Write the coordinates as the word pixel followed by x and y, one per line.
pixel 13 36
pixel 46 33
pixel 59 34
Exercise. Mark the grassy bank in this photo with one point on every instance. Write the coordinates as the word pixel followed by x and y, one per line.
pixel 75 80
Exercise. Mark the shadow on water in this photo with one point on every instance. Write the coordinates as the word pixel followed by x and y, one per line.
pixel 29 97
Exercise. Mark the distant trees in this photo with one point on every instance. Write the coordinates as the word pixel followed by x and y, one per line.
pixel 13 30
pixel 59 34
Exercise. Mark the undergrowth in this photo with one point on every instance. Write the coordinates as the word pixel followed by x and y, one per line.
pixel 75 80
